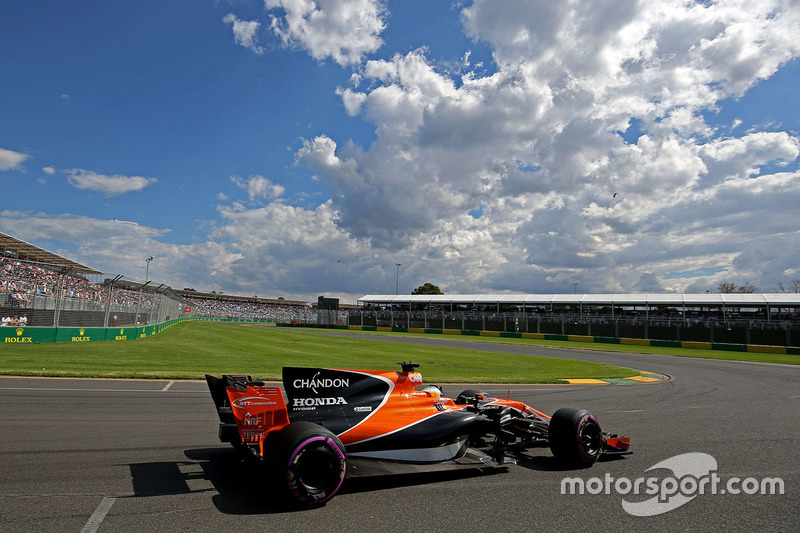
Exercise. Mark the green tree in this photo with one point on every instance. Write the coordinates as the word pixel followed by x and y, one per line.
pixel 427 288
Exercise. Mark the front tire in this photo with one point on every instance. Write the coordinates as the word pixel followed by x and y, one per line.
pixel 311 463
pixel 575 437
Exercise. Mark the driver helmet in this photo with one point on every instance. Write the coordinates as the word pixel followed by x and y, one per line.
pixel 433 390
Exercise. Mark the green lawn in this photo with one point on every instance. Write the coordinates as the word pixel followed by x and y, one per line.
pixel 789 359
pixel 190 349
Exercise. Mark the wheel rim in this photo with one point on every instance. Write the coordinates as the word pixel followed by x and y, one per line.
pixel 591 439
pixel 316 470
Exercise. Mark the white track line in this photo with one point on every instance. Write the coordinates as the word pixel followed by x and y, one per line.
pixel 43 389
pixel 99 514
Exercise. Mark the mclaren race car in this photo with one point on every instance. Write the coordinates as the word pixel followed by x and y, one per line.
pixel 333 417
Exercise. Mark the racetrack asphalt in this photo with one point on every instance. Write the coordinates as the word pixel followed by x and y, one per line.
pixel 126 455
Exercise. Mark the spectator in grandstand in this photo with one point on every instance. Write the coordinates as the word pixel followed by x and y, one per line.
pixel 23 279
pixel 253 310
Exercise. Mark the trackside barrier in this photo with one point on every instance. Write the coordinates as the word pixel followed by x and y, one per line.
pixel 756 348
pixel 41 335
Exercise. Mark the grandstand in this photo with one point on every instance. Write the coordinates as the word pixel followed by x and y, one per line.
pixel 13 248
pixel 217 305
pixel 42 288
pixel 760 306
pixel 772 319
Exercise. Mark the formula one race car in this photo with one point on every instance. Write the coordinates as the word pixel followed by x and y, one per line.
pixel 336 416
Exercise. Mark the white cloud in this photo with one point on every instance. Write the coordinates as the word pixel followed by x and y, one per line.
pixel 245 32
pixel 536 146
pixel 120 246
pixel 108 185
pixel 742 157
pixel 343 30
pixel 49 170
pixel 522 179
pixel 10 160
pixel 258 187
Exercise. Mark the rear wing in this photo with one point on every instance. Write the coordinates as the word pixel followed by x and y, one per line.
pixel 247 409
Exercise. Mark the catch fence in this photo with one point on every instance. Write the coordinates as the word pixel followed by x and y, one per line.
pixel 778 331
pixel 37 294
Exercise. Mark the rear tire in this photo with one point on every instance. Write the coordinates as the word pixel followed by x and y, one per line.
pixel 575 437
pixel 311 462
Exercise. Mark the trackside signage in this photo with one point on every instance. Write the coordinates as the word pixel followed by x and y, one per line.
pixel 18 338
pixel 693 474
pixel 80 334
pixel 41 334
pixel 25 335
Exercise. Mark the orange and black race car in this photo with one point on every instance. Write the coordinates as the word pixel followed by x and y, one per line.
pixel 334 418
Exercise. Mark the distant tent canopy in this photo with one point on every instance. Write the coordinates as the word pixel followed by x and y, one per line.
pixel 13 248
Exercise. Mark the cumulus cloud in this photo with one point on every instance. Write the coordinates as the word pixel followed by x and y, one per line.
pixel 108 185
pixel 245 32
pixel 299 250
pixel 539 147
pixel 258 187
pixel 10 160
pixel 121 246
pixel 582 156
pixel 343 30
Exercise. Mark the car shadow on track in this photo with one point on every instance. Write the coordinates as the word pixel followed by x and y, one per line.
pixel 369 476
pixel 244 487
pixel 524 457
pixel 239 484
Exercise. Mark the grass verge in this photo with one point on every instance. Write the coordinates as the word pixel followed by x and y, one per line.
pixel 756 357
pixel 190 349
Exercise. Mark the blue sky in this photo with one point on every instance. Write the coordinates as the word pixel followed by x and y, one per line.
pixel 301 149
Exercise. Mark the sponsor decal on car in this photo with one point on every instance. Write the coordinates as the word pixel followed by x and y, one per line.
pixel 252 435
pixel 251 401
pixel 314 402
pixel 253 420
pixel 320 383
